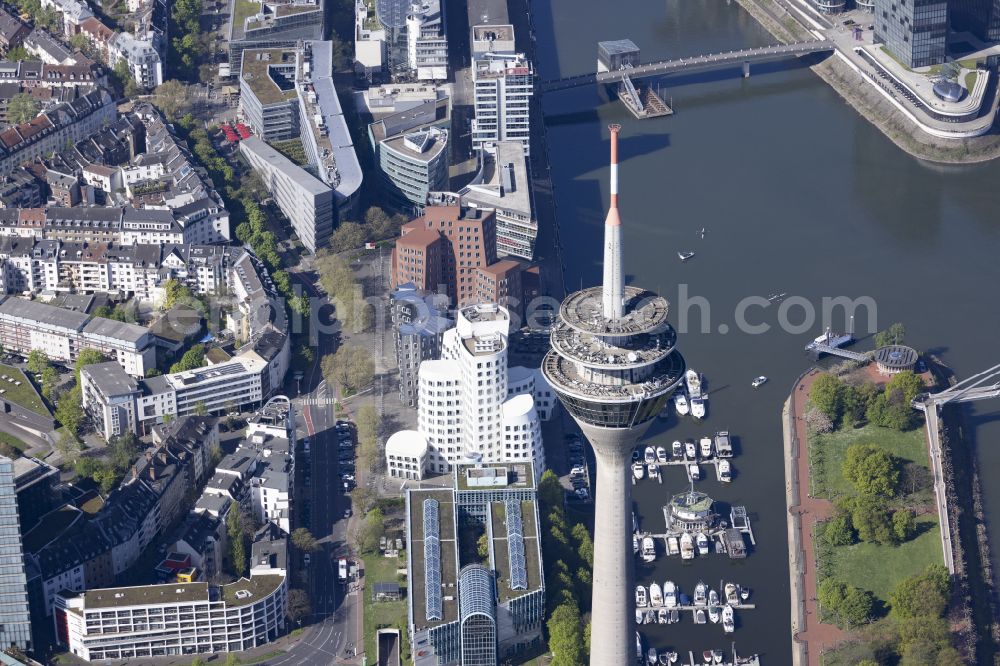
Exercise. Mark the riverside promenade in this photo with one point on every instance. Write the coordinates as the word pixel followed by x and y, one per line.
pixel 809 636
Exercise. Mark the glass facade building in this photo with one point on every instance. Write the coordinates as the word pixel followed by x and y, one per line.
pixel 479 624
pixel 980 17
pixel 915 32
pixel 15 621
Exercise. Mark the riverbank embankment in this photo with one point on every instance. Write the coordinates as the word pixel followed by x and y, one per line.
pixel 869 102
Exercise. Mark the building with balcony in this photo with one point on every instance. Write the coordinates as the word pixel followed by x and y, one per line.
pixel 268 97
pixel 502 86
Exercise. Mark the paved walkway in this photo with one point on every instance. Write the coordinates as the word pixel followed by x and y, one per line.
pixel 809 510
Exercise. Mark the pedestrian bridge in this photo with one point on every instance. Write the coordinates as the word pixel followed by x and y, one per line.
pixel 690 64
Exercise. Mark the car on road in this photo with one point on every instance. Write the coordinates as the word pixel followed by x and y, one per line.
pixel 577 470
pixel 347 477
pixel 348 486
pixel 306 559
pixel 348 512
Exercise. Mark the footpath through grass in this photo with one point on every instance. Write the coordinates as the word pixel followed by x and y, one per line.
pixel 384 614
pixel 23 395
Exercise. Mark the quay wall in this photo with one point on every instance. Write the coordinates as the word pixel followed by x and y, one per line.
pixel 796 552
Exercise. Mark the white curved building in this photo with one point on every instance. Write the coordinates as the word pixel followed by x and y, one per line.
pixel 522 430
pixel 406 455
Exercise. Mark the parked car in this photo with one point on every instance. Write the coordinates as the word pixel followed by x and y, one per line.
pixel 578 469
pixel 347 477
pixel 306 559
pixel 347 512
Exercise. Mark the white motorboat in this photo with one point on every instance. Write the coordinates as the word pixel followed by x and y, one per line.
pixel 662 616
pixel 717 656
pixel 672 546
pixel 652 470
pixel 651 617
pixel 732 595
pixel 687 547
pixel 714 614
pixel 651 656
pixel 655 595
pixel 698 408
pixel 639 470
pixel 689 450
pixel 661 454
pixel 700 594
pixel 694 472
pixel 693 382
pixel 650 455
pixel 641 600
pixel 675 616
pixel 684 256
pixel 699 616
pixel 713 598
pixel 702 543
pixel 744 593
pixel 639 616
pixel 635 544
pixel 759 381
pixel 725 471
pixel 677 449
pixel 681 404
pixel 669 594
pixel 668 658
pixel 648 549
pixel 705 446
pixel 728 621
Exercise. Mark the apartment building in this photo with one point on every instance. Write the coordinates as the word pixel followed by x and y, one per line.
pixel 427 41
pixel 141 55
pixel 305 201
pixel 502 86
pixel 62 334
pixel 109 397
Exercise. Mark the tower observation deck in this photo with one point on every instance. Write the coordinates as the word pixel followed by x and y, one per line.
pixel 613 366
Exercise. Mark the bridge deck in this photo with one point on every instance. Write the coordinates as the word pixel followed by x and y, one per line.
pixel 693 63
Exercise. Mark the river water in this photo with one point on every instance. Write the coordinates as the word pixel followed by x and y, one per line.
pixel 798 195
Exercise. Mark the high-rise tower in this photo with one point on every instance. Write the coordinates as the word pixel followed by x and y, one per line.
pixel 614 367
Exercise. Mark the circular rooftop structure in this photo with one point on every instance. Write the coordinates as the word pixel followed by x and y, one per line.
pixel 948 91
pixel 893 359
pixel 645 312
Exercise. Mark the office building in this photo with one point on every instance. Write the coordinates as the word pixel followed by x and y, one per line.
pixel 411 148
pixel 305 201
pixel 370 44
pixel 273 25
pixel 174 619
pixel 465 411
pixel 418 326
pixel 502 86
pixel 613 395
pixel 15 619
pixel 427 41
pixel 915 33
pixel 34 481
pixel 980 17
pixel 471 612
pixel 268 97
pixel 502 184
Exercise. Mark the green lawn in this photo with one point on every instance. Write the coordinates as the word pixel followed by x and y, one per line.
pixel 879 568
pixel 7 438
pixel 243 9
pixel 384 614
pixel 23 395
pixel 970 80
pixel 827 454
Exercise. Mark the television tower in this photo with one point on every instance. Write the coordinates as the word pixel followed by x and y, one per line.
pixel 614 367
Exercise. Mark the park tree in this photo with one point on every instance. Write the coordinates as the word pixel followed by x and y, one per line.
pixel 347 236
pixel 172 99
pixel 894 335
pixel 122 450
pixel 566 636
pixel 850 606
pixel 363 498
pixel 303 539
pixel 351 367
pixel 840 530
pixel 871 470
pixel 584 544
pixel 69 412
pixel 380 225
pixel 903 524
pixel 21 108
pixel 37 361
pixel 550 491
pixel 870 518
pixel 825 394
pixel 817 421
pixel 371 531
pixel 192 359
pixel 914 477
pixel 925 593
pixel 299 607
pixel 50 378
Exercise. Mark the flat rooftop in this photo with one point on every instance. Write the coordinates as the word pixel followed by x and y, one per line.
pixel 501 555
pixel 496 476
pixel 269 86
pixel 449 565
pixel 48 315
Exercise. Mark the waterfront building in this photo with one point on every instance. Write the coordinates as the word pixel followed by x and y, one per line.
pixel 465 410
pixel 614 367
pixel 15 618
pixel 893 359
pixel 411 148
pixel 980 17
pixel 690 511
pixel 915 33
pixel 305 201
pixel 418 328
pixel 268 97
pixel 502 86
pixel 471 612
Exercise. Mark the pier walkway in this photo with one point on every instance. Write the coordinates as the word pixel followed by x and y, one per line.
pixel 699 63
pixel 818 348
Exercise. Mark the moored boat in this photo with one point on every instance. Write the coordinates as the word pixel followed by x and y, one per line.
pixel 714 614
pixel 725 471
pixel 638 470
pixel 677 449
pixel 635 544
pixel 651 617
pixel 650 455
pixel 717 656
pixel 662 616
pixel 694 472
pixel 669 594
pixel 675 616
pixel 699 616
pixel 648 549
pixel 661 454
pixel 687 547
pixel 698 408
pixel 651 655
pixel 652 470
pixel 700 594
pixel 728 620
pixel 672 546
pixel 713 598
pixel 681 404
pixel 702 540
pixel 655 595
pixel 705 447
pixel 732 595
pixel 744 593
pixel 639 616
pixel 641 599
pixel 707 656
pixel 636 456
pixel 693 382
pixel 689 450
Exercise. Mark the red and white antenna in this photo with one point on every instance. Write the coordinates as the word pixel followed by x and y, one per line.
pixel 614 272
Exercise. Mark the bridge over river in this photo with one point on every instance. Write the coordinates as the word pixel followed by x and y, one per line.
pixel 743 58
